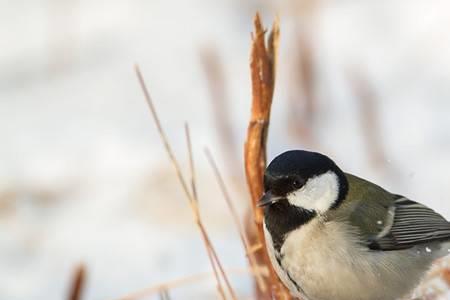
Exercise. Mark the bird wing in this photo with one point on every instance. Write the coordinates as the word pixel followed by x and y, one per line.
pixel 410 224
pixel 391 222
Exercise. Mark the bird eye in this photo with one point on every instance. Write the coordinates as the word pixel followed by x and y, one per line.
pixel 297 183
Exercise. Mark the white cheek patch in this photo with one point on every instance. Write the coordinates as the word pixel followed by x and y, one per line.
pixel 318 194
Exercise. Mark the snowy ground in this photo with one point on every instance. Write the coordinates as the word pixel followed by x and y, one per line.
pixel 83 177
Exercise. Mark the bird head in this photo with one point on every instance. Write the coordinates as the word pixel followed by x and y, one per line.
pixel 306 180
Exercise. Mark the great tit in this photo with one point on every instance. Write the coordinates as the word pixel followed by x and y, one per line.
pixel 333 236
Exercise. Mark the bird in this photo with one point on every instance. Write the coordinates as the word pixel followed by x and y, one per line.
pixel 331 235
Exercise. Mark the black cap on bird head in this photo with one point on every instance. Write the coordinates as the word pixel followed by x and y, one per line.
pixel 299 170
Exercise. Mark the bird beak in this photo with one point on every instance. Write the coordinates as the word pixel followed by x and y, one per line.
pixel 268 199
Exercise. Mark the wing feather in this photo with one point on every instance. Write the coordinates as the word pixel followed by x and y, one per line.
pixel 412 224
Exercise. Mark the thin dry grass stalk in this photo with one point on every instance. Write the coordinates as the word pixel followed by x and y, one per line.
pixel 302 110
pixel 176 283
pixel 212 254
pixel 215 76
pixel 78 280
pixel 369 119
pixel 248 249
pixel 209 250
pixel 164 294
pixel 263 66
pixel 191 160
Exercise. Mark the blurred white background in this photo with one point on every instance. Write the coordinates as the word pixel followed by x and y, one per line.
pixel 83 175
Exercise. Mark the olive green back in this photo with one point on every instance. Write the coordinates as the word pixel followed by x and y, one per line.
pixel 365 207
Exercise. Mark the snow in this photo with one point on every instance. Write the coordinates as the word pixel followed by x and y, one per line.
pixel 84 178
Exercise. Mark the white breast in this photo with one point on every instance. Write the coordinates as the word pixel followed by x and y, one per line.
pixel 281 272
pixel 326 262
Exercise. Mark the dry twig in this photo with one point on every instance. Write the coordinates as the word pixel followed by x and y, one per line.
pixel 78 280
pixel 212 254
pixel 263 67
pixel 436 282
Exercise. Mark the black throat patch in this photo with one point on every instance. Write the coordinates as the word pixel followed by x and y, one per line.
pixel 281 218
